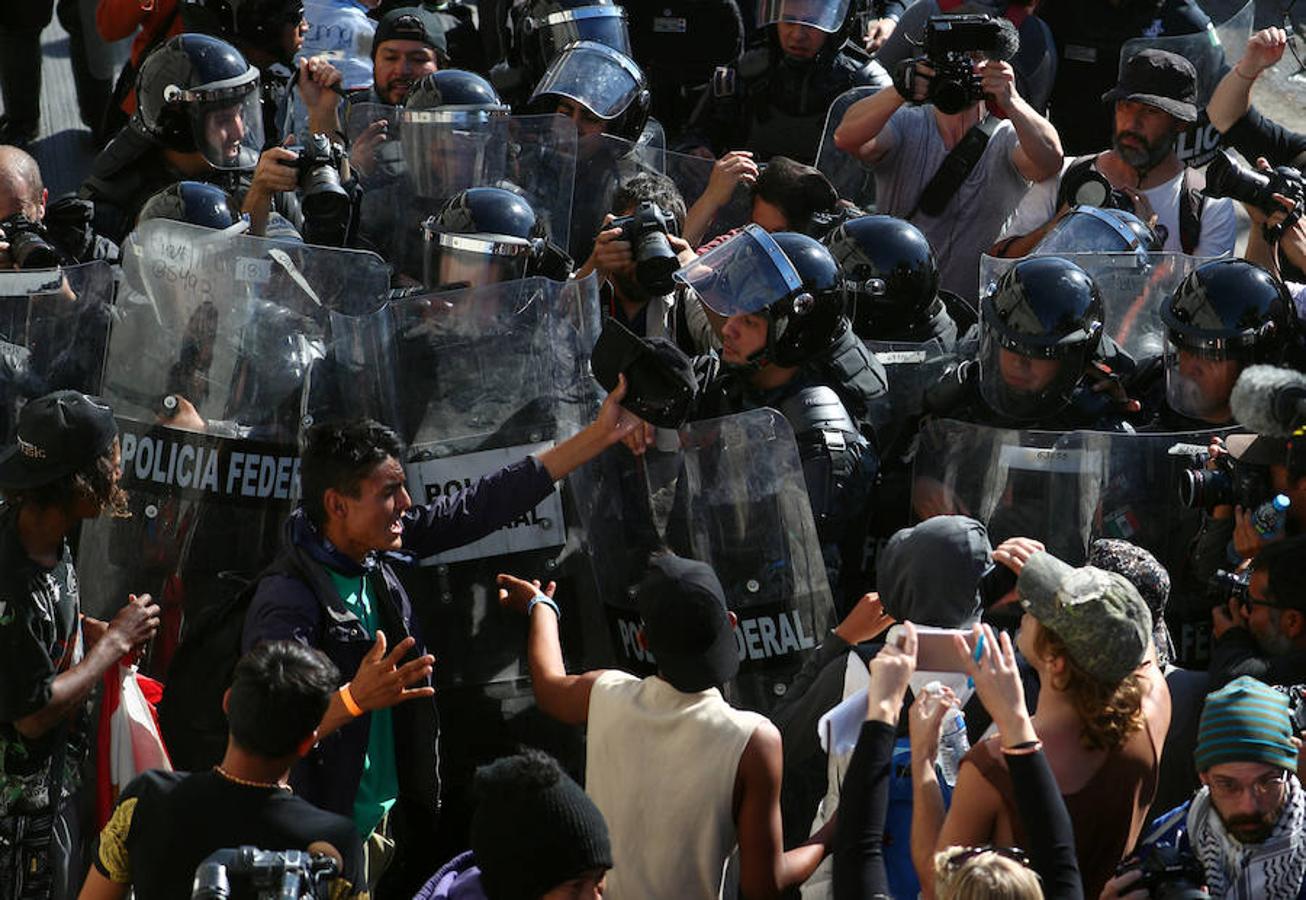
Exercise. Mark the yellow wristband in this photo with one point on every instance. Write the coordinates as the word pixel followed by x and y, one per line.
pixel 350 703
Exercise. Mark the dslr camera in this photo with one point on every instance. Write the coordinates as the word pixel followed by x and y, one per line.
pixel 1168 873
pixel 949 43
pixel 28 244
pixel 1226 177
pixel 326 204
pixel 1230 483
pixel 1091 188
pixel 248 873
pixel 1225 585
pixel 646 231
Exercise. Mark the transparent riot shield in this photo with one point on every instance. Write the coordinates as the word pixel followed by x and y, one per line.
pixel 54 330
pixel 1212 52
pixel 214 338
pixel 1134 287
pixel 911 367
pixel 729 492
pixel 377 161
pixel 854 182
pixel 445 152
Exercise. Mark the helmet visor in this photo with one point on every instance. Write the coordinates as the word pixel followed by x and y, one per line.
pixel 443 157
pixel 472 260
pixel 601 24
pixel 1088 229
pixel 743 275
pixel 227 122
pixel 1198 386
pixel 827 15
pixel 597 77
pixel 1023 388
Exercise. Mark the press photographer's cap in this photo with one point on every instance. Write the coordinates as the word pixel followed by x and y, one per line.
pixel 685 621
pixel 57 435
pixel 1245 721
pixel 1158 78
pixel 1099 615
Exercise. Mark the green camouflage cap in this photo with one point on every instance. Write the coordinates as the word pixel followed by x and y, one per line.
pixel 1099 615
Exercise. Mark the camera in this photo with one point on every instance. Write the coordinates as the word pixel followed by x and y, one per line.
pixel 28 247
pixel 1168 873
pixel 1231 483
pixel 949 43
pixel 326 204
pixel 1225 585
pixel 646 231
pixel 1226 177
pixel 247 872
pixel 1092 189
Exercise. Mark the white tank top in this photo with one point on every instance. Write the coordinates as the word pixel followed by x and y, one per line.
pixel 661 767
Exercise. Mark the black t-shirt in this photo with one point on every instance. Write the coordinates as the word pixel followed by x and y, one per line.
pixel 40 637
pixel 167 823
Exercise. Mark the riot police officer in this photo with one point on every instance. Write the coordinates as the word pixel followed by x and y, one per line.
pixel 892 281
pixel 774 102
pixel 486 235
pixel 196 202
pixel 541 29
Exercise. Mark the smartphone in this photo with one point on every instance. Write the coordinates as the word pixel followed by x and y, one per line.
pixel 936 651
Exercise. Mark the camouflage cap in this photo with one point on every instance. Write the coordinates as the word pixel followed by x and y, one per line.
pixel 1099 615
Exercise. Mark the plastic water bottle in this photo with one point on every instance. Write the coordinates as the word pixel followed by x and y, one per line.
pixel 953 745
pixel 1271 516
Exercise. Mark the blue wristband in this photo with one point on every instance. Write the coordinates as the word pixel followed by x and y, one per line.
pixel 547 601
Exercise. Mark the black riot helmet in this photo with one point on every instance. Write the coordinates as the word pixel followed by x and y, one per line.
pixel 789 278
pixel 890 275
pixel 607 83
pixel 1229 310
pixel 830 16
pixel 253 24
pixel 1089 229
pixel 543 28
pixel 485 235
pixel 455 90
pixel 194 202
pixel 196 93
pixel 1039 329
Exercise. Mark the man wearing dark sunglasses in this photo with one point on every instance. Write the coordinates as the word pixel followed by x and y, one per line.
pixel 1262 633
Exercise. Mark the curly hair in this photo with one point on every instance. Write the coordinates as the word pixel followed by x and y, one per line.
pixel 1110 712
pixel 97 481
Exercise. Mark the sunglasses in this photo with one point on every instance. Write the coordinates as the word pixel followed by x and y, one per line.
pixel 1015 854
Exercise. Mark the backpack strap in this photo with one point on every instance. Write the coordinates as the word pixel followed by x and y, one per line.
pixel 956 168
pixel 1191 202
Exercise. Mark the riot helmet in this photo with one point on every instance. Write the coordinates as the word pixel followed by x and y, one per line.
pixel 1089 229
pixel 790 279
pixel 828 16
pixel 543 28
pixel 197 94
pixel 605 82
pixel 455 90
pixel 253 24
pixel 1039 328
pixel 1223 316
pixel 194 202
pixel 486 235
pixel 890 275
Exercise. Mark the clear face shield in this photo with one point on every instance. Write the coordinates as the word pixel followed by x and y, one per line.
pixel 597 77
pixel 1021 387
pixel 825 15
pixel 1198 382
pixel 601 24
pixel 1088 229
pixel 226 120
pixel 447 151
pixel 472 260
pixel 743 275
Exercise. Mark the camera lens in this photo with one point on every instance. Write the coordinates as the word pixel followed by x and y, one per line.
pixel 655 262
pixel 1226 178
pixel 1205 489
pixel 29 251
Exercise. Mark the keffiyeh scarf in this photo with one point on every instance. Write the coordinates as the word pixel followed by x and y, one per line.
pixel 1271 870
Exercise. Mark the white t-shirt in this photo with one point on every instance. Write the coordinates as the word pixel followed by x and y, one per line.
pixel 1219 226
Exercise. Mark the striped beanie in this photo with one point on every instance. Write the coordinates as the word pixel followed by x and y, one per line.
pixel 1245 721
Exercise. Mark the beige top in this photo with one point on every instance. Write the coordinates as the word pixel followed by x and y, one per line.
pixel 661 766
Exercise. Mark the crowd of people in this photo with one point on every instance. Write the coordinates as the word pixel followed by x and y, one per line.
pixel 563 448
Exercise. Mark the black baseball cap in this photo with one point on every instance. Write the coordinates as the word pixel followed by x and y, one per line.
pixel 411 23
pixel 57 435
pixel 1159 78
pixel 1257 450
pixel 686 623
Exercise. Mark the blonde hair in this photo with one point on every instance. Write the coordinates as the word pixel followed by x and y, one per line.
pixel 985 876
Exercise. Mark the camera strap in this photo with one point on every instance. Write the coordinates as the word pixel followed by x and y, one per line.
pixel 955 168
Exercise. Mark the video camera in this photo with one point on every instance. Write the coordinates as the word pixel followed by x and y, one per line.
pixel 247 872
pixel 948 45
pixel 646 231
pixel 1226 177
pixel 1231 483
pixel 28 247
pixel 1169 873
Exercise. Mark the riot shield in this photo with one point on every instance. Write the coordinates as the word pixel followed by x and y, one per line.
pixel 729 492
pixel 1134 287
pixel 911 367
pixel 444 152
pixel 54 329
pixel 1212 52
pixel 383 162
pixel 854 182
pixel 214 337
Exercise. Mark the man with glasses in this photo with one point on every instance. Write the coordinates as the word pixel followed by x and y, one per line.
pixel 1246 826
pixel 1263 632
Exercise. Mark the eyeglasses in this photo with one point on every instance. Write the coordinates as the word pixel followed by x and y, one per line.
pixel 1271 786
pixel 966 854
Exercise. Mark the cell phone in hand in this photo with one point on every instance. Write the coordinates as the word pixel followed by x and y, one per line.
pixel 936 650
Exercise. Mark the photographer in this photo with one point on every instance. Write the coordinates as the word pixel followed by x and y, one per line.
pixel 1231 112
pixel 167 823
pixel 1262 631
pixel 944 163
pixel 786 195
pixel 36 234
pixel 1244 833
pixel 1154 101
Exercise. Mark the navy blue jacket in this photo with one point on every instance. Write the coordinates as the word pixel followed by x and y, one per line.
pixel 296 600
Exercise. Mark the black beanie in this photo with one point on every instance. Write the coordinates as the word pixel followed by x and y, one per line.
pixel 411 23
pixel 534 828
